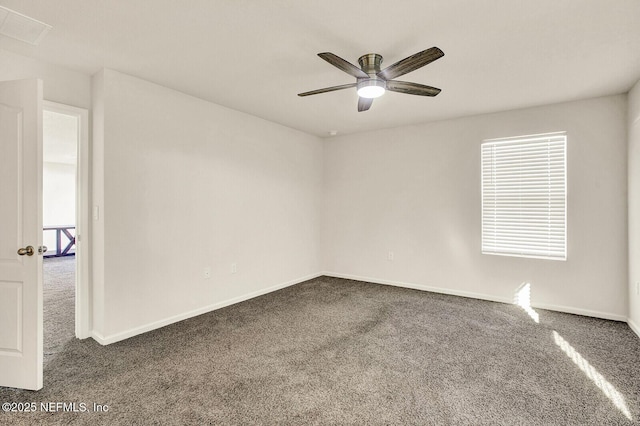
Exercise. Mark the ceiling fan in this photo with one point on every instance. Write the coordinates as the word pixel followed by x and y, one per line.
pixel 372 82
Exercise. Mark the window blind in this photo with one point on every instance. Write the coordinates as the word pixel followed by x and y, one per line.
pixel 524 196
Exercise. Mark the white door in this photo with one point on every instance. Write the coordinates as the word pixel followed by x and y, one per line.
pixel 21 231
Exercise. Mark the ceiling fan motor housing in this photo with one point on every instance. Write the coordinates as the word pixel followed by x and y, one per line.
pixel 370 63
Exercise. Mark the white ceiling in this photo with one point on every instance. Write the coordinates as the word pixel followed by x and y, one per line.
pixel 255 56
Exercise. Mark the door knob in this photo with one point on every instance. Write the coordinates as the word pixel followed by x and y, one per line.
pixel 42 249
pixel 27 250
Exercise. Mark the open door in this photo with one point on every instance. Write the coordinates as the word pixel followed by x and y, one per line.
pixel 21 234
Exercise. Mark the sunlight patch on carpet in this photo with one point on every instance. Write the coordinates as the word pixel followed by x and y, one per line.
pixel 607 388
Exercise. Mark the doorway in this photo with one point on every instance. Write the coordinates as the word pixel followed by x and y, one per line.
pixel 65 210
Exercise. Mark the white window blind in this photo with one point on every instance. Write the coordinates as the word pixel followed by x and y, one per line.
pixel 524 196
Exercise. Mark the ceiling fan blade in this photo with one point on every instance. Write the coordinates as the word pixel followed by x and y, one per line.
pixel 412 88
pixel 411 63
pixel 328 89
pixel 345 66
pixel 364 104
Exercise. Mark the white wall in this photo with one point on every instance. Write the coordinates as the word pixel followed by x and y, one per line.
pixel 60 84
pixel 188 184
pixel 416 191
pixel 58 199
pixel 634 207
pixel 97 202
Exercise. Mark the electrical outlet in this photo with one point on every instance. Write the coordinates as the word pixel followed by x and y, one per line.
pixel 390 256
pixel 234 268
pixel 207 273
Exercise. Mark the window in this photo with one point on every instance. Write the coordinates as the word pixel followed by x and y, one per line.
pixel 524 196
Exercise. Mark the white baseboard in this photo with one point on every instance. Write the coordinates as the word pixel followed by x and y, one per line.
pixel 107 340
pixel 481 296
pixel 98 337
pixel 441 290
pixel 633 326
pixel 578 311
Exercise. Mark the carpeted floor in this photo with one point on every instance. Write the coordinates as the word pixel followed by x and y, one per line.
pixel 59 303
pixel 333 351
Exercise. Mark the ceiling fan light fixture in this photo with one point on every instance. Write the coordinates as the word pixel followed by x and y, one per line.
pixel 372 82
pixel 371 88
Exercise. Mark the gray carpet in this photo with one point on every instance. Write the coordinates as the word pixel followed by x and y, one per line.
pixel 59 307
pixel 332 351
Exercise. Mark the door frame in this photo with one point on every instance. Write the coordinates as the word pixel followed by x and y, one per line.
pixel 83 246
